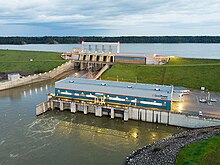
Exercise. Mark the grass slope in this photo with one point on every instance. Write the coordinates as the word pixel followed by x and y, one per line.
pixel 201 153
pixel 191 73
pixel 19 61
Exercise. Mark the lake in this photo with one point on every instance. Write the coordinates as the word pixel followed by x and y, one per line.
pixel 211 51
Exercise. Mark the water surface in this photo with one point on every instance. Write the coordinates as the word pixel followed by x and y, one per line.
pixel 64 137
pixel 211 51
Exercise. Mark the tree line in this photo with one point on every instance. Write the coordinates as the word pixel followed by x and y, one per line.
pixel 121 39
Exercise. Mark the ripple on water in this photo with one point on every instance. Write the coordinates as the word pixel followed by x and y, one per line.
pixel 2 142
pixel 42 127
pixel 14 155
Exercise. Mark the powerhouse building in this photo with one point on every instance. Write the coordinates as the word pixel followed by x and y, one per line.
pixel 115 93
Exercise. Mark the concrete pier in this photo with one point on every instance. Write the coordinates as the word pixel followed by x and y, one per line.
pixel 145 115
pixel 125 115
pixel 61 105
pixel 112 113
pixel 85 109
pixel 43 107
pixel 98 110
pixel 72 107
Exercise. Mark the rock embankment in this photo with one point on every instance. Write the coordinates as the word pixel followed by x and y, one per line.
pixel 165 151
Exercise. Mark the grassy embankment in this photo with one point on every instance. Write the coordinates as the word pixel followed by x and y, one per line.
pixel 201 153
pixel 19 61
pixel 191 73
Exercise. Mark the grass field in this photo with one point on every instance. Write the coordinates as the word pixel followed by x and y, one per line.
pixel 19 61
pixel 191 73
pixel 201 153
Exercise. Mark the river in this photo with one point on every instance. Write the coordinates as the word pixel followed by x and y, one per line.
pixel 211 51
pixel 64 137
pixel 67 138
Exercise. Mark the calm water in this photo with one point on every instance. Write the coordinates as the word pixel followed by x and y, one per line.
pixel 182 50
pixel 63 137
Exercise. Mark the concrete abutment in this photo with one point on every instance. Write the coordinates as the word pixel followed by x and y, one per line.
pixel 145 115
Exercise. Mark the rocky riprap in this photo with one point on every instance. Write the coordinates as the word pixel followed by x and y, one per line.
pixel 164 152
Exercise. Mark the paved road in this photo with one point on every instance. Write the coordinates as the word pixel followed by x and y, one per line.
pixel 192 105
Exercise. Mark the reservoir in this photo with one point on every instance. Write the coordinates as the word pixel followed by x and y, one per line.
pixel 66 138
pixel 189 50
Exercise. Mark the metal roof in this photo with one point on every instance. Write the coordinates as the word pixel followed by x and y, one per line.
pixel 120 88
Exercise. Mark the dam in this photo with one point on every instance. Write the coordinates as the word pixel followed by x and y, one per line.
pixel 95 55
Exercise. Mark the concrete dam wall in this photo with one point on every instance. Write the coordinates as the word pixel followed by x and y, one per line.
pixel 37 77
pixel 153 116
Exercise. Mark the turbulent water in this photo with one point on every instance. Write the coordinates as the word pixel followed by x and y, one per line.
pixel 210 51
pixel 64 137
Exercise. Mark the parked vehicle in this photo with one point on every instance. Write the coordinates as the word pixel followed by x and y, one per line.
pixel 200 113
pixel 213 100
pixel 203 101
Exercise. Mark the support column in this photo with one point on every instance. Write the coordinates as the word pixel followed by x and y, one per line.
pixel 73 65
pixel 81 65
pixel 130 115
pixel 126 115
pixel 73 107
pixel 48 98
pixel 61 105
pixel 44 108
pixel 98 110
pixel 143 114
pixel 85 109
pixel 51 104
pixel 112 113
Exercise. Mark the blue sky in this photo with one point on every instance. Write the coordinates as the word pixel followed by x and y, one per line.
pixel 109 17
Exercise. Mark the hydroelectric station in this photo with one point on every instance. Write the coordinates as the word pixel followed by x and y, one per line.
pixel 136 101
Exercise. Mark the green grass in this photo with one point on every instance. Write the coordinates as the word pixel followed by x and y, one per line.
pixel 19 61
pixel 191 73
pixel 189 61
pixel 201 153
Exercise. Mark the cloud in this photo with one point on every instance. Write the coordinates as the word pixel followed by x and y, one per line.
pixel 108 17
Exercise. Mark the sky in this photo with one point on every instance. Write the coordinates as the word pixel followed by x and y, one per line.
pixel 109 17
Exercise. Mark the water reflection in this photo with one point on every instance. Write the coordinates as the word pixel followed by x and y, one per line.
pixel 104 132
pixel 24 90
pixel 70 138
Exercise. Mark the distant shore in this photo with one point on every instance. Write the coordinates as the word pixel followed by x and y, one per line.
pixel 122 39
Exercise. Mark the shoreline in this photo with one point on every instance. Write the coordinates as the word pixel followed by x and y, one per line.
pixel 166 150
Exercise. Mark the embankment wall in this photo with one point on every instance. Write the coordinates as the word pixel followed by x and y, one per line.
pixel 37 77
